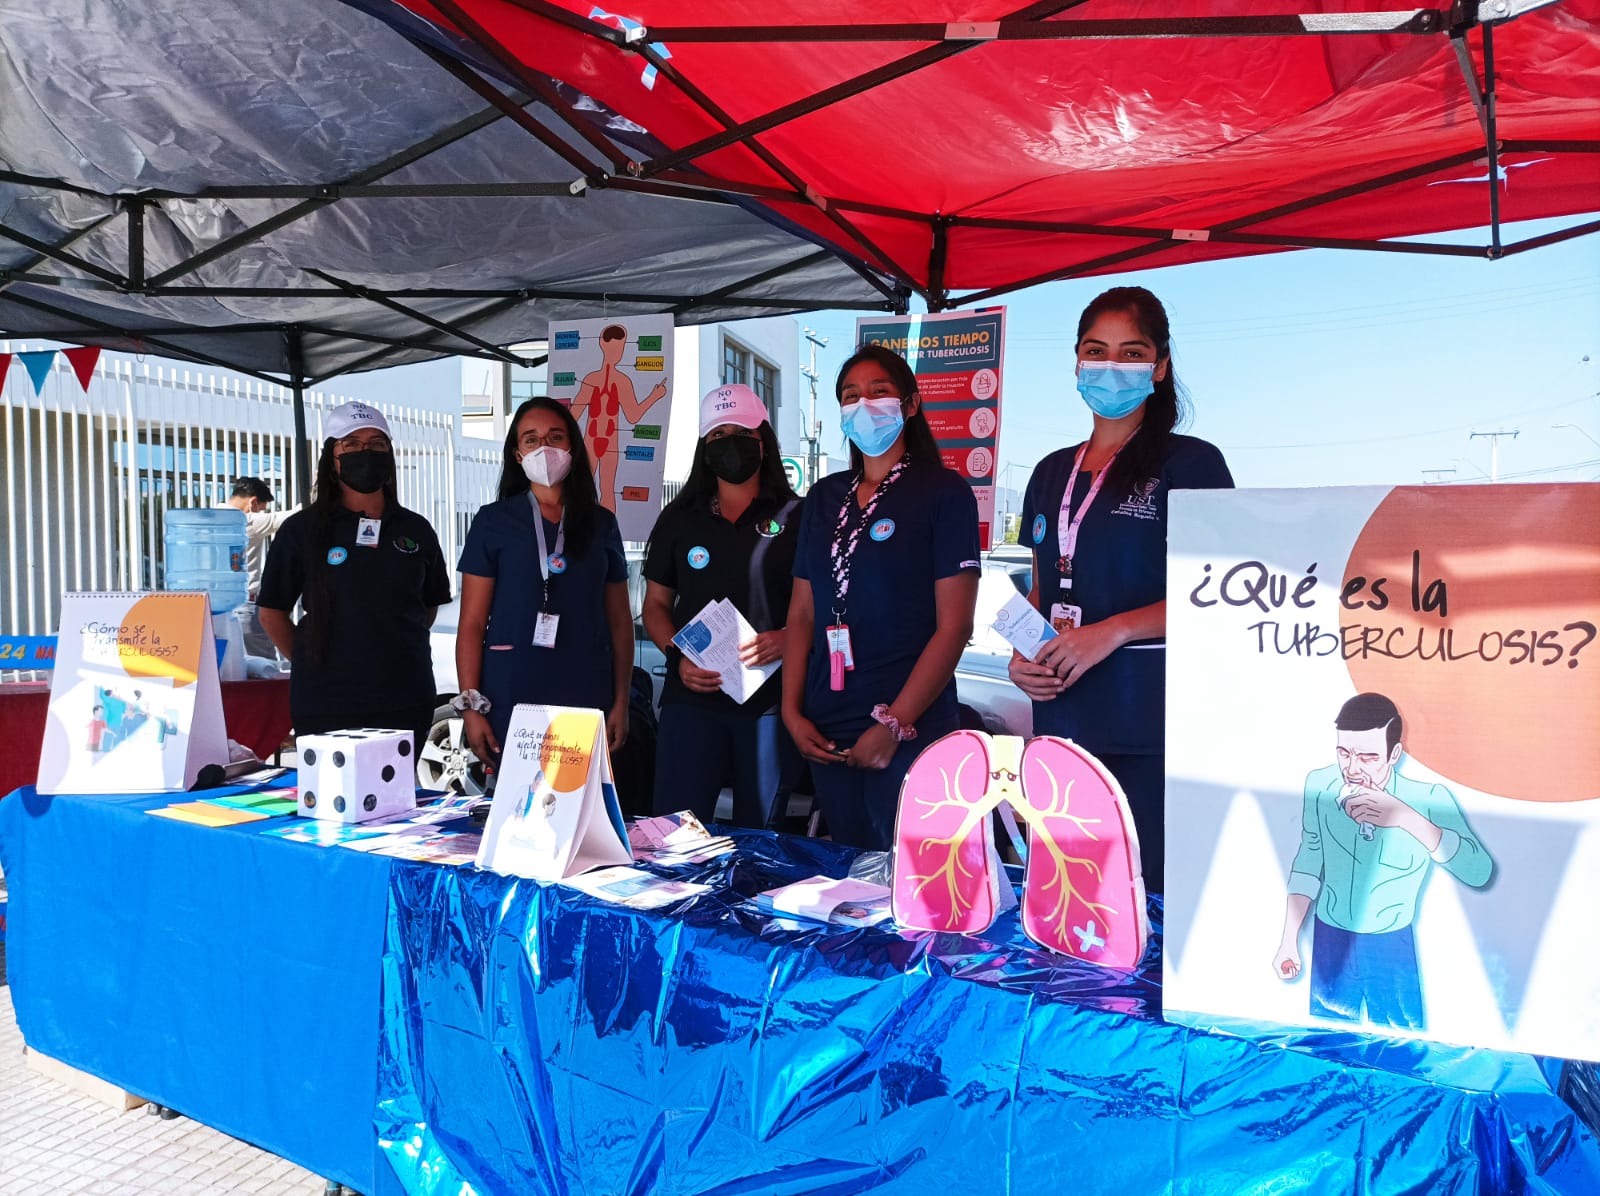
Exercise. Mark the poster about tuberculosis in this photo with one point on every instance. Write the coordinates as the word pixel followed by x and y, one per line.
pixel 135 704
pixel 957 358
pixel 616 376
pixel 1383 766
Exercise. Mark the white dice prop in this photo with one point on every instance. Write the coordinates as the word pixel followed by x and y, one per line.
pixel 357 775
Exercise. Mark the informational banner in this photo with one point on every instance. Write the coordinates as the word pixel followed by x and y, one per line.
pixel 616 375
pixel 555 811
pixel 1383 766
pixel 957 358
pixel 135 705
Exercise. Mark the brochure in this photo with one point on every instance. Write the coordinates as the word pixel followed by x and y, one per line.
pixel 711 640
pixel 1023 627
pixel 824 899
pixel 634 888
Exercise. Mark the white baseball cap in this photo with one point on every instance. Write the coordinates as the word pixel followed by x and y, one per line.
pixel 352 417
pixel 734 403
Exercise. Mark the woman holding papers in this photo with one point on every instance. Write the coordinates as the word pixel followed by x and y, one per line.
pixel 886 576
pixel 370 577
pixel 544 589
pixel 727 538
pixel 1096 515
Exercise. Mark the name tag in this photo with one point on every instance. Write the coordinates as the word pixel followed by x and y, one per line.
pixel 544 630
pixel 839 641
pixel 1064 616
pixel 367 533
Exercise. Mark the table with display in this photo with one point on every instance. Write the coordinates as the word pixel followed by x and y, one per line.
pixel 403 1026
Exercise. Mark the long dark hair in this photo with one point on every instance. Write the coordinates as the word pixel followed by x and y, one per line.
pixel 1165 410
pixel 326 502
pixel 920 444
pixel 702 483
pixel 577 491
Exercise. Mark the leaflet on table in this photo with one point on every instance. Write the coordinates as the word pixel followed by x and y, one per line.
pixel 824 899
pixel 634 888
pixel 1023 627
pixel 711 640
pixel 674 839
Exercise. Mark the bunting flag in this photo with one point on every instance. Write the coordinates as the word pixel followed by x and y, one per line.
pixel 83 362
pixel 5 368
pixel 38 364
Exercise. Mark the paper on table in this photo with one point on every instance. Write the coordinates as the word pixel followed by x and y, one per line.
pixel 634 888
pixel 206 814
pixel 1023 627
pixel 818 897
pixel 711 640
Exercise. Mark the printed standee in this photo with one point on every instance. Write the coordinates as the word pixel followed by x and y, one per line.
pixel 1083 888
pixel 135 702
pixel 555 811
pixel 356 775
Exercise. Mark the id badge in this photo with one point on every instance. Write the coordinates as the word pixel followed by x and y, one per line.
pixel 367 533
pixel 1064 616
pixel 544 630
pixel 839 642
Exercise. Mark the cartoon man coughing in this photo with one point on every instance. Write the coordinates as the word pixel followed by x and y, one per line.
pixel 1368 840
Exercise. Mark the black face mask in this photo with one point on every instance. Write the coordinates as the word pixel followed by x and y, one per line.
pixel 366 471
pixel 734 458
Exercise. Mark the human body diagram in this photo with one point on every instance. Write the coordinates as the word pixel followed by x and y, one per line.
pixel 603 396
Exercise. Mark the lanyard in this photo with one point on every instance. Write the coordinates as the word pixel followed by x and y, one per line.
pixel 1067 524
pixel 546 557
pixel 847 533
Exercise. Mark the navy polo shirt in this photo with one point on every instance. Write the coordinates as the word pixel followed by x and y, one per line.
pixel 750 562
pixel 380 606
pixel 1120 564
pixel 924 529
pixel 577 671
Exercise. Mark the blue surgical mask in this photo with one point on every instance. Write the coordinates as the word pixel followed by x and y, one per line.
pixel 1115 388
pixel 873 425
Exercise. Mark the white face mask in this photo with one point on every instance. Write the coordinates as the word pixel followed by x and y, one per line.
pixel 546 466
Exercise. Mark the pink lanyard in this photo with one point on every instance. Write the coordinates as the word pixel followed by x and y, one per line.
pixel 1067 523
pixel 847 533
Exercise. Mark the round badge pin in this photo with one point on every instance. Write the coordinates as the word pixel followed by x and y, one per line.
pixel 882 529
pixel 1038 529
pixel 558 563
pixel 699 557
pixel 338 556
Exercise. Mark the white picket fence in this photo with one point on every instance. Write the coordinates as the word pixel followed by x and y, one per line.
pixel 89 476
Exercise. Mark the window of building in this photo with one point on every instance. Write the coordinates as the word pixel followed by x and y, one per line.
pixel 764 381
pixel 735 364
pixel 741 365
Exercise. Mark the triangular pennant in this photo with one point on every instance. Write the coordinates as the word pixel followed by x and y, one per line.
pixel 38 363
pixel 83 362
pixel 5 368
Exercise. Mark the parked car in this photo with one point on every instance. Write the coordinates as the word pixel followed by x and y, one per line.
pixel 989 700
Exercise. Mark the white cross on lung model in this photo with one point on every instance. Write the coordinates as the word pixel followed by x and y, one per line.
pixel 1088 940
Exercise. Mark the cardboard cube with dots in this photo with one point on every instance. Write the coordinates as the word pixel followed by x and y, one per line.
pixel 357 775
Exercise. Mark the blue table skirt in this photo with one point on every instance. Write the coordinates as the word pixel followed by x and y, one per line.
pixel 538 1041
pixel 230 975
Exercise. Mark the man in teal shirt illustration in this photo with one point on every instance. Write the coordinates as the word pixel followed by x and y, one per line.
pixel 1369 837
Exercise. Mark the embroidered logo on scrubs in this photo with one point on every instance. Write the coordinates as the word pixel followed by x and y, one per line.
pixel 1038 529
pixel 1141 502
pixel 558 563
pixel 699 557
pixel 338 556
pixel 769 528
pixel 406 544
pixel 882 530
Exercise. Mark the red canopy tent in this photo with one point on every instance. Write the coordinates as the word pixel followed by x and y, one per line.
pixel 983 148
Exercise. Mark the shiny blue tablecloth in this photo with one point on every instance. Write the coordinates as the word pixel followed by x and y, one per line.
pixel 536 1040
pixel 231 975
pixel 525 1039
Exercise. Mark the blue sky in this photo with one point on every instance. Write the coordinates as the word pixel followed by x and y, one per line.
pixel 1325 367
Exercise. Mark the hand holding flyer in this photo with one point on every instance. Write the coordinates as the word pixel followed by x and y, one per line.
pixel 1024 628
pixel 711 640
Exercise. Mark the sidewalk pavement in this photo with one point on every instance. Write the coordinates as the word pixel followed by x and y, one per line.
pixel 56 1142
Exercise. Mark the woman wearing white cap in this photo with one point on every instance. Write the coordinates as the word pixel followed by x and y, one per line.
pixel 729 534
pixel 544 588
pixel 370 577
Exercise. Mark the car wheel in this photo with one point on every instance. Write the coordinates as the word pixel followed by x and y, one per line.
pixel 446 761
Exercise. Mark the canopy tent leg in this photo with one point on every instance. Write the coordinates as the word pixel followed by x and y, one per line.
pixel 302 443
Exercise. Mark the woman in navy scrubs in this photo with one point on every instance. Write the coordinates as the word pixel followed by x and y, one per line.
pixel 886 577
pixel 730 533
pixel 544 588
pixel 1096 514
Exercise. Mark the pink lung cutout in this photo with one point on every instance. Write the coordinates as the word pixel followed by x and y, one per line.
pixel 944 870
pixel 1084 890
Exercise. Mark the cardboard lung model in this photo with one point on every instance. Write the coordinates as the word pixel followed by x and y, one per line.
pixel 357 775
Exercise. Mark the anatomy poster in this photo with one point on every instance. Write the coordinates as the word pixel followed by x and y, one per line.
pixel 616 375
pixel 958 358
pixel 1383 772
